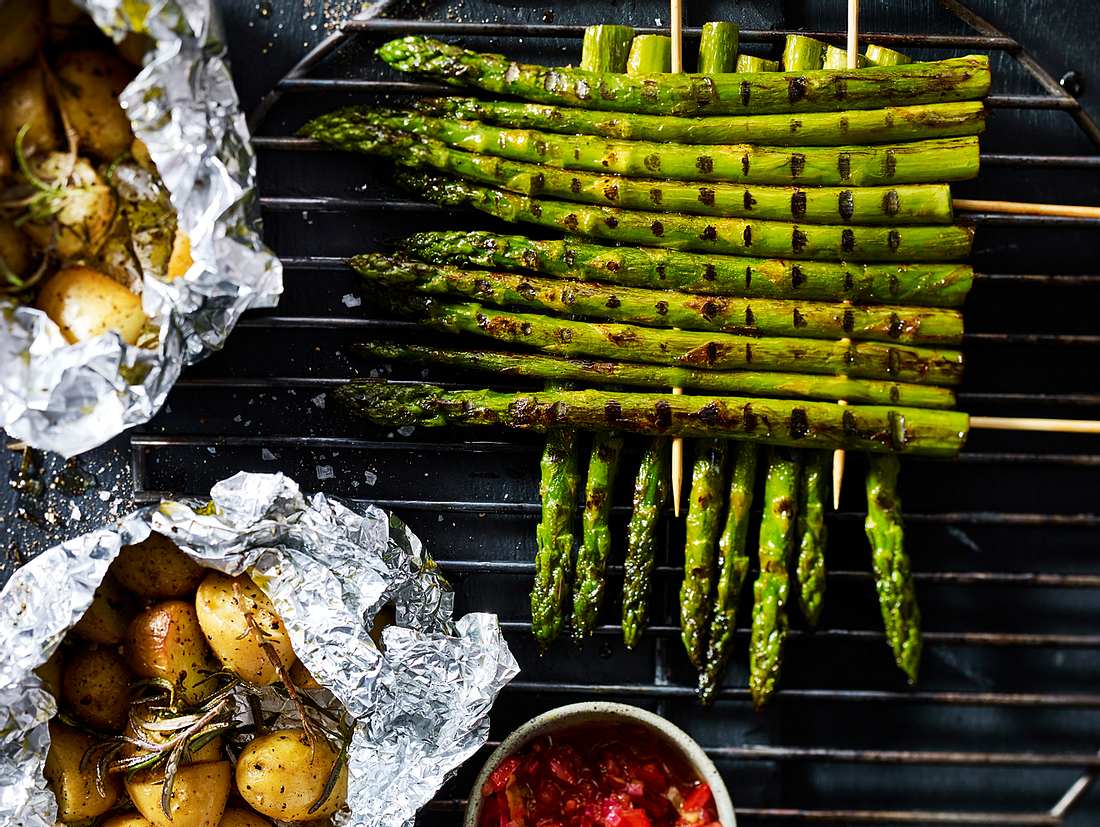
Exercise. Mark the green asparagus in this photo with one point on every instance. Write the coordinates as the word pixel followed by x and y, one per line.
pixel 893 579
pixel 695 233
pixel 606 47
pixel 750 64
pixel 813 494
pixel 733 569
pixel 687 348
pixel 802 53
pixel 650 54
pixel 650 493
pixel 746 383
pixel 666 308
pixel 881 56
pixel 591 575
pixel 837 58
pixel 704 520
pixel 813 425
pixel 931 161
pixel 772 588
pixel 554 534
pixel 961 78
pixel 718 44
pixel 936 285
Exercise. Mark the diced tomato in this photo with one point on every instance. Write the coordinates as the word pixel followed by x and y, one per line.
pixel 699 798
pixel 500 777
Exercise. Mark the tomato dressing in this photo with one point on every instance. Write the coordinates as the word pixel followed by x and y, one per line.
pixel 597 776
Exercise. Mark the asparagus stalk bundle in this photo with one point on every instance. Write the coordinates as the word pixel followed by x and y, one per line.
pixel 813 493
pixel 750 64
pixel 665 308
pixel 650 493
pixel 962 78
pixel 733 569
pixel 743 383
pixel 689 348
pixel 935 160
pixel 606 47
pixel 796 423
pixel 591 570
pixel 704 522
pixel 725 236
pixel 939 285
pixel 718 44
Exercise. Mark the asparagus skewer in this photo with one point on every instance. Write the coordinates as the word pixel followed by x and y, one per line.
pixel 733 569
pixel 962 78
pixel 801 53
pixel 591 572
pixel 665 308
pixel 718 48
pixel 650 493
pixel 728 236
pixel 893 579
pixel 811 534
pixel 935 160
pixel 606 47
pixel 774 421
pixel 650 54
pixel 772 588
pixel 933 284
pixel 703 525
pixel 750 64
pixel 745 383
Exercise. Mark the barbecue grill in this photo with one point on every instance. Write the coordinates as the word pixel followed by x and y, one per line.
pixel 1005 723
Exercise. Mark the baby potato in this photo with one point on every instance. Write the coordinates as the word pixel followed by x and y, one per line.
pixel 75 790
pixel 155 567
pixel 65 13
pixel 302 677
pixel 15 252
pixel 109 615
pixel 237 817
pixel 85 303
pixel 21 31
pixel 223 618
pixel 165 641
pixel 134 47
pixel 127 820
pixel 89 83
pixel 95 687
pixel 24 101
pixel 50 673
pixel 82 214
pixel 180 261
pixel 279 775
pixel 198 799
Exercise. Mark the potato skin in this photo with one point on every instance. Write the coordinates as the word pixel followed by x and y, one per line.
pixel 15 252
pixel 85 211
pixel 89 83
pixel 198 795
pixel 238 817
pixel 224 623
pixel 21 31
pixel 50 673
pixel 165 641
pixel 279 776
pixel 24 100
pixel 85 303
pixel 156 568
pixel 77 797
pixel 180 261
pixel 109 616
pixel 127 820
pixel 95 686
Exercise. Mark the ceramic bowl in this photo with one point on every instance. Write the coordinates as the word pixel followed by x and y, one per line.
pixel 601 712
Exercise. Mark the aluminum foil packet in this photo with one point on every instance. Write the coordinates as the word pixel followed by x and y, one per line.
pixel 418 709
pixel 72 397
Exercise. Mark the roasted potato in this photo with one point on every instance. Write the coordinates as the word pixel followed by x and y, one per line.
pixel 156 568
pixel 223 604
pixel 89 83
pixel 7 164
pixel 50 673
pixel 95 687
pixel 65 13
pixel 180 261
pixel 109 616
pixel 127 820
pixel 280 776
pixel 165 641
pixel 238 817
pixel 15 252
pixel 85 303
pixel 302 678
pixel 75 222
pixel 199 795
pixel 140 153
pixel 21 29
pixel 24 100
pixel 134 47
pixel 77 796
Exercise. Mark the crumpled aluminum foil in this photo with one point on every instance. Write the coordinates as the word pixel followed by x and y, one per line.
pixel 70 398
pixel 419 709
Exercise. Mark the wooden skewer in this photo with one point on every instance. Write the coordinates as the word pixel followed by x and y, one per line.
pixel 1025 208
pixel 675 27
pixel 1024 423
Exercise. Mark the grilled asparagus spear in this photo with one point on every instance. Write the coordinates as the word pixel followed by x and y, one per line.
pixel 704 521
pixel 712 235
pixel 937 285
pixel 935 160
pixel 837 58
pixel 718 48
pixel 772 588
pixel 650 54
pixel 881 56
pixel 750 64
pixel 811 425
pixel 733 569
pixel 813 494
pixel 801 53
pixel 590 580
pixel 961 78
pixel 606 47
pixel 747 383
pixel 664 308
pixel 893 579
pixel 650 493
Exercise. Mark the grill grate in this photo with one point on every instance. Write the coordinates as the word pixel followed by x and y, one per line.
pixel 1003 540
